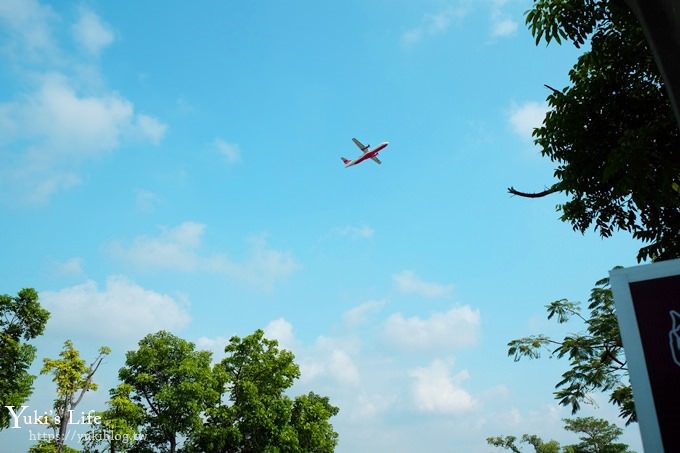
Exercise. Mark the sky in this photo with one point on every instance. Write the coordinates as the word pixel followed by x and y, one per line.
pixel 176 166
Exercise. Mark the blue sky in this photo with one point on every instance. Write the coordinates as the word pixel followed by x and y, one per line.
pixel 177 166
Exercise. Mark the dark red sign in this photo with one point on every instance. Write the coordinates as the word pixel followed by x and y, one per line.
pixel 647 302
pixel 657 309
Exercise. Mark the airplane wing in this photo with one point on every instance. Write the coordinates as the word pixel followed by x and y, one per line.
pixel 376 160
pixel 360 145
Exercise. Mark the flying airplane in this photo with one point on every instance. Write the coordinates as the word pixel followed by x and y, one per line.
pixel 368 154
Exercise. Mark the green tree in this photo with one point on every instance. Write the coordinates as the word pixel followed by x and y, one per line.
pixel 598 436
pixel 50 446
pixel 117 427
pixel 309 418
pixel 596 357
pixel 252 413
pixel 611 132
pixel 73 378
pixel 171 383
pixel 21 319
pixel 510 443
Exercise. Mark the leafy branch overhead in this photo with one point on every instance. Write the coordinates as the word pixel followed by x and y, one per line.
pixel 596 358
pixel 611 132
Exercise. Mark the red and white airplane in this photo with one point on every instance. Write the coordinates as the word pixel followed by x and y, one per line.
pixel 368 154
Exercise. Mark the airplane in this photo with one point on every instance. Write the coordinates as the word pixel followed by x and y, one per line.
pixel 368 154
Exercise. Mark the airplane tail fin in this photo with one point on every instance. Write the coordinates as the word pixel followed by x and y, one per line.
pixel 345 160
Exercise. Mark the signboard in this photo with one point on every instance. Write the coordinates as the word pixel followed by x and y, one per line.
pixel 647 300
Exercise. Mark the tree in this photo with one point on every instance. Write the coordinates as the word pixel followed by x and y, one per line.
pixel 116 429
pixel 309 418
pixel 252 413
pixel 73 378
pixel 510 443
pixel 611 132
pixel 171 383
pixel 596 357
pixel 599 436
pixel 50 446
pixel 21 319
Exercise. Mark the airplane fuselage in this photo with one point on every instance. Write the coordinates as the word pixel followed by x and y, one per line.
pixel 367 155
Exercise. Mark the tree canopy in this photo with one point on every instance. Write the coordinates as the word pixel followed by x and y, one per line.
pixel 22 318
pixel 597 436
pixel 171 383
pixel 117 430
pixel 596 358
pixel 236 405
pixel 611 132
pixel 73 378
pixel 253 414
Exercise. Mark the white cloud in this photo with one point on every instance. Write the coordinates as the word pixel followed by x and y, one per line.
pixel 281 331
pixel 54 129
pixel 409 282
pixel 525 117
pixel 369 407
pixel 354 232
pixel 503 27
pixel 66 116
pixel 69 123
pixel 453 329
pixel 178 249
pixel 150 128
pixel 70 267
pixel 230 151
pixel 501 24
pixel 28 23
pixel 175 248
pixel 330 359
pixel 146 200
pixel 91 33
pixel 433 24
pixel 436 390
pixel 263 268
pixel 359 314
pixel 122 311
pixel 215 345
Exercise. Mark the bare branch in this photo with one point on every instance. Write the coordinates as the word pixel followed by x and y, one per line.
pixel 552 189
pixel 556 91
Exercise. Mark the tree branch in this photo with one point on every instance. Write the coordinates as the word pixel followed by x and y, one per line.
pixel 556 91
pixel 552 189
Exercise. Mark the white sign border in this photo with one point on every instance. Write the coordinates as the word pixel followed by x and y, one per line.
pixel 619 280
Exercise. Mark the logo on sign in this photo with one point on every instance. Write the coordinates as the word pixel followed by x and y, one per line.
pixel 674 336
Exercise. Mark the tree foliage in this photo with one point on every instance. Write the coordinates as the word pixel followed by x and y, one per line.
pixel 596 357
pixel 73 378
pixel 171 383
pixel 172 399
pixel 50 446
pixel 511 443
pixel 252 413
pixel 611 132
pixel 21 319
pixel 117 427
pixel 309 418
pixel 597 436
